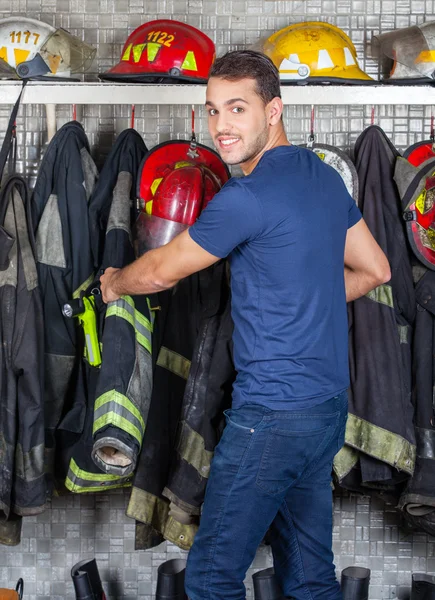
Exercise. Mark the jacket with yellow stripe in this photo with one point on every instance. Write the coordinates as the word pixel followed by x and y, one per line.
pixel 119 392
pixel 192 385
pixel 65 182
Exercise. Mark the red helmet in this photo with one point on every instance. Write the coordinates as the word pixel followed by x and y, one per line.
pixel 417 191
pixel 420 152
pixel 161 51
pixel 176 181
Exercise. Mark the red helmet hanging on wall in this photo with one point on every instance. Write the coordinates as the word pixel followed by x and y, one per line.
pixel 163 51
pixel 416 185
pixel 176 181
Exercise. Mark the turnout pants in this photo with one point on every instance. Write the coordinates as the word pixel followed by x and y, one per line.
pixel 271 469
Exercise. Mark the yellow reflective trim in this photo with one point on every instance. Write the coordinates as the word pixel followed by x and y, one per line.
pixel 127 52
pixel 183 163
pixel 4 53
pixel 112 418
pixel 149 207
pixel 344 461
pixel 420 202
pixel 380 443
pixel 143 341
pixel 155 184
pixel 122 313
pixel 425 56
pixel 20 55
pixel 114 396
pixel 151 510
pixel 152 50
pixel 80 489
pixel 382 294
pixel 189 63
pixel 137 52
pixel 191 448
pixel 83 286
pixel 137 315
pixel 78 472
pixel 174 362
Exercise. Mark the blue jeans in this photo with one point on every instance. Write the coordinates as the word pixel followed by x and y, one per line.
pixel 271 469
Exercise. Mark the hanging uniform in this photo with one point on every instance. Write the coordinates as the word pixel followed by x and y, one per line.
pixel 23 489
pixel 416 187
pixel 379 449
pixel 104 456
pixel 60 199
pixel 191 352
pixel 193 377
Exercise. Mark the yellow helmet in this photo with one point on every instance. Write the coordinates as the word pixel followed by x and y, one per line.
pixel 314 51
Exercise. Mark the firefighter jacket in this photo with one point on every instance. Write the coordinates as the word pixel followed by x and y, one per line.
pixel 193 377
pixel 63 187
pixel 418 499
pixel 379 448
pixel 105 455
pixel 23 487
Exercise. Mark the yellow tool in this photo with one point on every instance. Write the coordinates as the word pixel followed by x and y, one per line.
pixel 84 309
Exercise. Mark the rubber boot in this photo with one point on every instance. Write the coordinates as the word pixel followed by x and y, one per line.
pixel 170 580
pixel 266 586
pixel 355 583
pixel 423 587
pixel 87 582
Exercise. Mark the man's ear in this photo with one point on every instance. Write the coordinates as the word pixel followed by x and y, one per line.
pixel 275 108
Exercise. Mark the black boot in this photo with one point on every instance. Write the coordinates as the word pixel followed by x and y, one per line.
pixel 266 586
pixel 355 583
pixel 423 587
pixel 87 582
pixel 170 580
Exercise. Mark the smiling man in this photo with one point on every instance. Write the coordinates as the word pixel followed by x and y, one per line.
pixel 298 249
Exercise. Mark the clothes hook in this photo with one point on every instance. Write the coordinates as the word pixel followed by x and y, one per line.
pixel 74 112
pixel 192 152
pixel 133 110
pixel 432 130
pixel 372 119
pixel 311 137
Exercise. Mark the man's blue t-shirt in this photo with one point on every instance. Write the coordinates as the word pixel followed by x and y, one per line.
pixel 284 228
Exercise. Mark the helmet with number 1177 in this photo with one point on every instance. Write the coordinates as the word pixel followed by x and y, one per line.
pixel 33 49
pixel 164 51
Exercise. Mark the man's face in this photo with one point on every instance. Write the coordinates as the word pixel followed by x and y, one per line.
pixel 237 119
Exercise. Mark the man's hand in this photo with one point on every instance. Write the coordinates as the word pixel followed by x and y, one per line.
pixel 107 284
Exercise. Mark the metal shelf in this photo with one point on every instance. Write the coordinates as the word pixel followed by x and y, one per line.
pixel 111 93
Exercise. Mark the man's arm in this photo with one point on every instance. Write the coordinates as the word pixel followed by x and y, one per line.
pixel 365 264
pixel 157 269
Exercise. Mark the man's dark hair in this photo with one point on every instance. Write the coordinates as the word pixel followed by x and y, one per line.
pixel 248 64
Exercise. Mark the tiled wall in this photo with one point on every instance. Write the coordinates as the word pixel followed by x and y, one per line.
pixel 77 527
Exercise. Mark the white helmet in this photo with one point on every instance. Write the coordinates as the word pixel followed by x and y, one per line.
pixel 33 49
